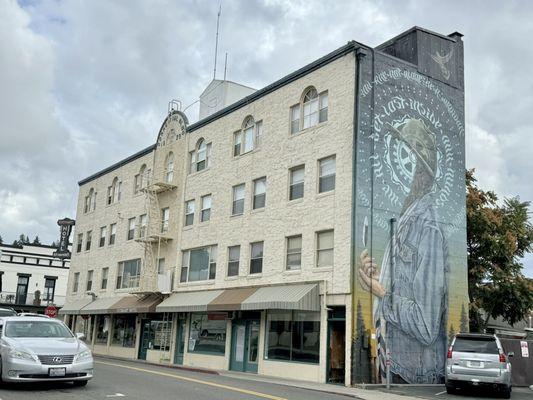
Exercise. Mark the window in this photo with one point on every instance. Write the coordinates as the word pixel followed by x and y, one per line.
pixel 169 174
pixel 79 243
pixel 124 330
pixel 161 266
pixel 76 282
pixel 206 208
pixel 259 193
pixel 296 190
pixel 293 336
pixel 323 107
pixel 199 264
pixel 112 233
pixel 189 212
pixel 90 201
pixel 326 174
pixel 207 335
pixel 324 248
pixel 160 331
pixel 113 192
pixel 143 220
pixel 312 110
pixel 295 118
pixel 105 274
pixel 238 200
pixel 200 157
pixel 248 138
pixel 141 179
pixel 234 255
pixel 256 258
pixel 103 235
pixel 88 241
pixel 294 252
pixel 131 228
pixel 102 328
pixel 49 289
pixel 128 274
pixel 165 214
pixel 89 286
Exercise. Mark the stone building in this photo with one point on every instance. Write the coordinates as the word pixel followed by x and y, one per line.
pixel 242 241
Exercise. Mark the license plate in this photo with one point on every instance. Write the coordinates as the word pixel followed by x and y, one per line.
pixel 475 364
pixel 55 372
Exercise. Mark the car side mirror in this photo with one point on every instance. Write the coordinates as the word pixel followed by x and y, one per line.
pixel 510 354
pixel 80 336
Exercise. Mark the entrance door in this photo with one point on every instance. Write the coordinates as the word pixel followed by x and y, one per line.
pixel 336 345
pixel 244 345
pixel 22 290
pixel 180 341
pixel 147 337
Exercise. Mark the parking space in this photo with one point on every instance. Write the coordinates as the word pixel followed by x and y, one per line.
pixel 439 392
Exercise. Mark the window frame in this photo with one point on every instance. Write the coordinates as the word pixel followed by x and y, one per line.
pixel 189 221
pixel 252 258
pixel 79 243
pixel 169 167
pixel 165 220
pixel 119 282
pixel 112 234
pixel 297 112
pixel 205 213
pixel 104 278
pixel 232 262
pixel 75 282
pixel 234 200
pixel 329 249
pixel 292 184
pixel 88 240
pixel 255 195
pixel 130 234
pixel 89 283
pixel 322 178
pixel 186 263
pixel 289 253
pixel 103 236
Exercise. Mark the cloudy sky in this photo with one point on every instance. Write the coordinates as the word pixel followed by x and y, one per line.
pixel 86 83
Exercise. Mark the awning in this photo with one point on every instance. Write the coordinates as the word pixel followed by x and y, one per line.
pixel 286 297
pixel 188 301
pixel 230 299
pixel 100 306
pixel 74 307
pixel 134 305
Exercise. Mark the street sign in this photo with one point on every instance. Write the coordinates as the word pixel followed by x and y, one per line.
pixel 50 311
pixel 525 348
pixel 65 227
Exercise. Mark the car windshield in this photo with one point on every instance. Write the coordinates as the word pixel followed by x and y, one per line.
pixel 476 345
pixel 7 313
pixel 36 329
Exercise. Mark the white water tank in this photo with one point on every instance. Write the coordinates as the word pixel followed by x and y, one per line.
pixel 220 94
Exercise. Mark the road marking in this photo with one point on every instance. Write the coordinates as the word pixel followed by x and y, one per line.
pixel 113 395
pixel 438 394
pixel 184 378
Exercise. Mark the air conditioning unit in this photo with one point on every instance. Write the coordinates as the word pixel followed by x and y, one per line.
pixel 164 282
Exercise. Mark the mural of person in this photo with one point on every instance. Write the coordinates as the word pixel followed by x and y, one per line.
pixel 410 314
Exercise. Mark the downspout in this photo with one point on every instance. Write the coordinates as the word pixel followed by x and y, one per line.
pixel 359 53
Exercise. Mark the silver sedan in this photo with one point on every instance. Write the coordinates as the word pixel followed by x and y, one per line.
pixel 41 349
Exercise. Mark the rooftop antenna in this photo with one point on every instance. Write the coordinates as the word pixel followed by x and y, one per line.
pixel 225 65
pixel 216 41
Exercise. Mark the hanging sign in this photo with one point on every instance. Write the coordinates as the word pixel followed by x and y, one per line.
pixel 65 227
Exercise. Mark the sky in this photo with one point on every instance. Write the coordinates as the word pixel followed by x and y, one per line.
pixel 84 84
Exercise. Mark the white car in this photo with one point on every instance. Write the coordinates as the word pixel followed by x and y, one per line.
pixel 42 349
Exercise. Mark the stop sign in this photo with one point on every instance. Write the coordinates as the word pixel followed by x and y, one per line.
pixel 50 311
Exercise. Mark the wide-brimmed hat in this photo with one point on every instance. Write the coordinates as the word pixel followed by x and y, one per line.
pixel 415 134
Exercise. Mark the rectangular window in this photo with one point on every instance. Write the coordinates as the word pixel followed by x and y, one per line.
pixel 326 174
pixel 324 248
pixel 295 119
pixel 131 229
pixel 234 255
pixel 137 183
pixel 165 215
pixel 117 193
pixel 189 212
pixel 89 286
pixel 102 328
pixel 323 107
pixel 161 266
pixel 86 208
pixel 76 282
pixel 206 208
pixel 128 274
pixel 124 330
pixel 296 189
pixel 310 113
pixel 293 336
pixel 237 142
pixel 238 200
pixel 259 193
pixel 294 252
pixel 199 264
pixel 112 233
pixel 256 258
pixel 109 195
pixel 207 334
pixel 105 274
pixel 258 133
pixel 192 162
pixel 103 235
pixel 143 221
pixel 79 244
pixel 49 289
pixel 88 240
pixel 248 136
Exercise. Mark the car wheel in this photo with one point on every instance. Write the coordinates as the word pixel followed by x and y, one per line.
pixel 506 392
pixel 450 389
pixel 80 383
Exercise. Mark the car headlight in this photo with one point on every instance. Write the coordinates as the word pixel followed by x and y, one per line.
pixel 84 355
pixel 21 355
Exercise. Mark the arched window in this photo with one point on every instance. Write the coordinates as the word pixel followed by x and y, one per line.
pixel 90 201
pixel 312 109
pixel 141 179
pixel 169 167
pixel 248 137
pixel 200 157
pixel 113 191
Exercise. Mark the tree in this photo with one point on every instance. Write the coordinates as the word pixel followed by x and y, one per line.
pixel 36 240
pixel 498 236
pixel 1 240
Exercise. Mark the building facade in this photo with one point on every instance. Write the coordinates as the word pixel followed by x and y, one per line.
pixel 31 278
pixel 260 237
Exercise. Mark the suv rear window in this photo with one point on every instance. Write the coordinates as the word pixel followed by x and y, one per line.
pixel 476 345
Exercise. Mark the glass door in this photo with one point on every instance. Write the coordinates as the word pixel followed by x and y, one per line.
pixel 244 346
pixel 22 290
pixel 180 341
pixel 146 338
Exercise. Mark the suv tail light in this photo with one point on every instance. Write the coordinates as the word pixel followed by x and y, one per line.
pixel 449 353
pixel 503 359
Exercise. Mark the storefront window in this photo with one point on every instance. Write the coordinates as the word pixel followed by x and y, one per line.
pixel 102 328
pixel 123 331
pixel 161 332
pixel 207 333
pixel 293 336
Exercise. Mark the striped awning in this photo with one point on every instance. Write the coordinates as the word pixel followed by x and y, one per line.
pixel 135 305
pixel 74 307
pixel 286 297
pixel 188 301
pixel 100 306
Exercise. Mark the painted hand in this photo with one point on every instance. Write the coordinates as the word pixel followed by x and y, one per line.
pixel 368 276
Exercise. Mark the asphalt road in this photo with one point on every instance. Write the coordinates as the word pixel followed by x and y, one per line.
pixel 439 393
pixel 117 379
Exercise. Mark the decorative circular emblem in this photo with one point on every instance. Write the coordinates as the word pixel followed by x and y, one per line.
pixel 57 360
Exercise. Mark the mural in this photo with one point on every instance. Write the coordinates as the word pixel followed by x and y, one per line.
pixel 410 245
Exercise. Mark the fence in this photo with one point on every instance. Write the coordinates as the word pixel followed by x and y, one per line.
pixel 522 362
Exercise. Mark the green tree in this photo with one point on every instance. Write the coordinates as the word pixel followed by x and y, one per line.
pixel 36 240
pixel 498 236
pixel 1 240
